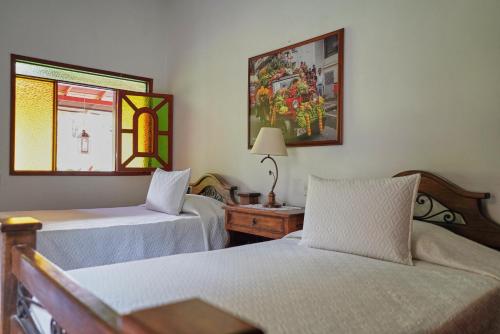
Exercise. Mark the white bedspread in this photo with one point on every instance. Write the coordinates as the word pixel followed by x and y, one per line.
pixel 93 237
pixel 286 288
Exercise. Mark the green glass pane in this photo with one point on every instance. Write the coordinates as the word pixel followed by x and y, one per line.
pixel 163 148
pixel 127 116
pixel 162 114
pixel 34 119
pixel 127 146
pixel 76 76
pixel 154 163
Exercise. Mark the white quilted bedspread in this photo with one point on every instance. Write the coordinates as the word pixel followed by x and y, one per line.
pixel 287 288
pixel 92 237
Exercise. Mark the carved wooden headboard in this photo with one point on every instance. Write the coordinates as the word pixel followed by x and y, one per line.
pixel 445 204
pixel 214 186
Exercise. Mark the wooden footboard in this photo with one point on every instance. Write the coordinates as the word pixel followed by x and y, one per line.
pixel 24 272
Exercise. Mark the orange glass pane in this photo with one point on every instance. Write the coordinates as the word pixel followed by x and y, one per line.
pixel 145 133
pixel 34 119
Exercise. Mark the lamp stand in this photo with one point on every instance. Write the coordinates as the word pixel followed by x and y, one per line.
pixel 271 198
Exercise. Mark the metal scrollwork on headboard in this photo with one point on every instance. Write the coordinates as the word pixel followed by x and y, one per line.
pixel 212 193
pixel 430 210
pixel 443 203
pixel 214 186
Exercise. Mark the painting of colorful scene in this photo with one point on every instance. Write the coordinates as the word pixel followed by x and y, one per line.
pixel 298 90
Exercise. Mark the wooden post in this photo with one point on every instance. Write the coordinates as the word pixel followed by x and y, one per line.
pixel 14 231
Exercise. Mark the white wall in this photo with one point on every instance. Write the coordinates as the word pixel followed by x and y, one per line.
pixel 422 88
pixel 119 35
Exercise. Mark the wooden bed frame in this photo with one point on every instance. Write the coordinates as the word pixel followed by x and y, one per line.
pixel 461 211
pixel 24 271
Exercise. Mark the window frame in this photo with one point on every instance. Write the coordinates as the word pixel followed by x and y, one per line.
pixel 15 58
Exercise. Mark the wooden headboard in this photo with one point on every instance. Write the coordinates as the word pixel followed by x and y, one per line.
pixel 445 204
pixel 214 186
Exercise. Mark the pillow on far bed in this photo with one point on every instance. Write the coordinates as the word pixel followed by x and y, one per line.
pixel 370 218
pixel 167 190
pixel 436 244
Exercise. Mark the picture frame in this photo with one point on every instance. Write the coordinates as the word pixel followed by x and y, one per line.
pixel 299 89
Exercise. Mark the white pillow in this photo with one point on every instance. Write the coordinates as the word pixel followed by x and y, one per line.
pixel 196 203
pixel 166 191
pixel 364 217
pixel 437 245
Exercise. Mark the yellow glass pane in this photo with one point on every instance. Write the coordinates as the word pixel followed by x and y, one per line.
pixel 139 162
pixel 33 124
pixel 145 133
pixel 140 101
pixel 127 116
pixel 127 148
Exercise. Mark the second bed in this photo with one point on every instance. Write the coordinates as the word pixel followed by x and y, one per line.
pixel 93 237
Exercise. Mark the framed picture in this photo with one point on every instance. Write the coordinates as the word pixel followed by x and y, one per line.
pixel 299 89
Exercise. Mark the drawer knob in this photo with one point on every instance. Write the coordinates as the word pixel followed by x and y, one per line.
pixel 254 221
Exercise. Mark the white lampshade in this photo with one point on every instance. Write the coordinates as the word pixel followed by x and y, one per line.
pixel 270 141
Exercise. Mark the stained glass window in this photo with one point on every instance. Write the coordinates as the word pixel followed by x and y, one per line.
pixel 33 124
pixel 64 120
pixel 145 128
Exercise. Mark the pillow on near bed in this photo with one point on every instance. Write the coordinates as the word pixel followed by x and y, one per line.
pixel 370 218
pixel 166 191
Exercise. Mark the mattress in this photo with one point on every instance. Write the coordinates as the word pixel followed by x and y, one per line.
pixel 92 237
pixel 284 287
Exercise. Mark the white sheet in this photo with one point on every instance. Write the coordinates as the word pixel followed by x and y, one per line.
pixel 287 288
pixel 92 237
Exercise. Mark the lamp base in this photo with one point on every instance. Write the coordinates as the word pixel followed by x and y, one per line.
pixel 271 201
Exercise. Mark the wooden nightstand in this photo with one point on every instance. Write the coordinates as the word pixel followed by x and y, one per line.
pixel 247 225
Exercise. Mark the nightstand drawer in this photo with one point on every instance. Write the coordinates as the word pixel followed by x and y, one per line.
pixel 263 223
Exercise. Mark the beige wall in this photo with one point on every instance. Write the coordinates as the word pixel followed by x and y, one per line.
pixel 422 88
pixel 119 35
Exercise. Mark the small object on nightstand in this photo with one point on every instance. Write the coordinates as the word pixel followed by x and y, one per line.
pixel 251 223
pixel 249 198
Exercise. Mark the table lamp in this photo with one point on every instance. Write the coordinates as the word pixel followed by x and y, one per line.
pixel 269 142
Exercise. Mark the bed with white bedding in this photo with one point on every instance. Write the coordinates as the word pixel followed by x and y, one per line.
pixel 283 287
pixel 92 237
pixel 451 286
